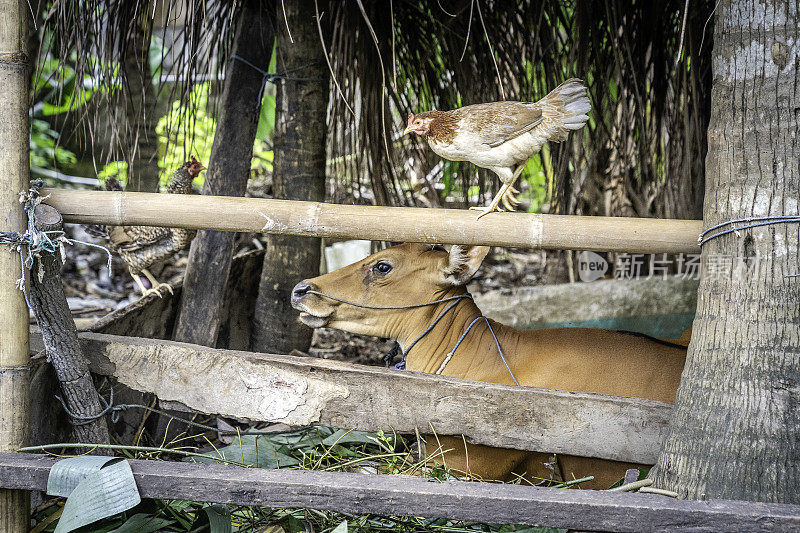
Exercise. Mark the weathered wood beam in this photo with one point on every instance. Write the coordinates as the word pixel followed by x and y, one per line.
pixel 14 176
pixel 60 337
pixel 313 219
pixel 410 496
pixel 302 391
pixel 659 307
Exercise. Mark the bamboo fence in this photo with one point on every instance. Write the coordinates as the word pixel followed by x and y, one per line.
pixel 14 170
pixel 522 230
pixel 439 226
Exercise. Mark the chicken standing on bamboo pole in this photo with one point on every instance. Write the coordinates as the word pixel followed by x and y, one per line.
pixel 141 246
pixel 502 136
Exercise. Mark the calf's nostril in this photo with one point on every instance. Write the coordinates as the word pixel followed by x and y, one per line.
pixel 300 290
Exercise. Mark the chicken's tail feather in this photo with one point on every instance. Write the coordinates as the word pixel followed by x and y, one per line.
pixel 112 184
pixel 96 230
pixel 568 104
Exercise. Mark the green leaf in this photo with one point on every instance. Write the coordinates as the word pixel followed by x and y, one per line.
pixel 350 437
pixel 142 523
pixel 74 102
pixel 294 525
pixel 115 169
pixel 101 494
pixel 217 517
pixel 252 450
pixel 266 120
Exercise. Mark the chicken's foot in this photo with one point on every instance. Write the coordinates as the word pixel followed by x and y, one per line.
pixel 504 195
pixel 155 283
pixel 156 286
pixel 144 290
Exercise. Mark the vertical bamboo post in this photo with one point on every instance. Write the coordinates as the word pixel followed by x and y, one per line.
pixel 14 171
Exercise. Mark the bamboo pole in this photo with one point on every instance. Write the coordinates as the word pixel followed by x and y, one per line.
pixel 443 226
pixel 14 171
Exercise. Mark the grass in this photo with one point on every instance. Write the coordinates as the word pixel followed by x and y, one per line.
pixel 314 448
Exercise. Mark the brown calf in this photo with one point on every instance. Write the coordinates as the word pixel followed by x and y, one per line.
pixel 572 359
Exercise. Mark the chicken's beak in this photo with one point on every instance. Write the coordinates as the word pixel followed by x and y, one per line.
pixel 408 130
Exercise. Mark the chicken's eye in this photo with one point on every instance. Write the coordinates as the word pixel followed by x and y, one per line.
pixel 383 267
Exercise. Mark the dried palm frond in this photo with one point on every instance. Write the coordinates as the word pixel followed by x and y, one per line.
pixel 107 43
pixel 642 153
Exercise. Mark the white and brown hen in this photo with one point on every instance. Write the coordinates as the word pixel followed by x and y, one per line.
pixel 502 136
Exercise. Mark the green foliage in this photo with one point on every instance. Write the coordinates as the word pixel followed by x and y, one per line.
pixel 115 169
pixel 180 136
pixel 317 448
pixel 60 92
pixel 44 149
pixel 55 91
pixel 266 122
pixel 537 192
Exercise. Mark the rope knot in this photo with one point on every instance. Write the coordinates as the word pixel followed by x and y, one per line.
pixel 33 242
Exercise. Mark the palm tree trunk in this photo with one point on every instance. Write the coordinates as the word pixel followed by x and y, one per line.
pixel 228 171
pixel 735 427
pixel 140 110
pixel 299 174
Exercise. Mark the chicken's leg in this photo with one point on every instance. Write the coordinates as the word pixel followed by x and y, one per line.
pixel 507 188
pixel 155 283
pixel 144 290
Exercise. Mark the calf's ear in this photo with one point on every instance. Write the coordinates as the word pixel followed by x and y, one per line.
pixel 463 262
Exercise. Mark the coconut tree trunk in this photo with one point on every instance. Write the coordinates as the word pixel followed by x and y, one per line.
pixel 735 428
pixel 299 174
pixel 14 174
pixel 140 109
pixel 228 171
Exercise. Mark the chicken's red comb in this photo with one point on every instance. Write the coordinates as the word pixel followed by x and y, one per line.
pixel 410 116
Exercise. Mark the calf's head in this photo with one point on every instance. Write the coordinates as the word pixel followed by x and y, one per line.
pixel 406 274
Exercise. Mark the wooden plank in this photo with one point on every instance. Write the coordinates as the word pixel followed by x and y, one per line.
pixel 443 226
pixel 409 496
pixel 302 390
pixel 659 307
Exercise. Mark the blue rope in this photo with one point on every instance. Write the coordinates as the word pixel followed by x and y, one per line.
pixel 750 222
pixel 402 364
pixel 21 281
pixel 33 242
pixel 756 222
pixel 433 324
pixel 455 300
pixel 464 335
pixel 269 76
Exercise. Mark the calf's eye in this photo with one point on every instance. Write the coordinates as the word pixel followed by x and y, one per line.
pixel 383 267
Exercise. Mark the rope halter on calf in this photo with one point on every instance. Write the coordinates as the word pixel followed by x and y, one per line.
pixel 455 300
